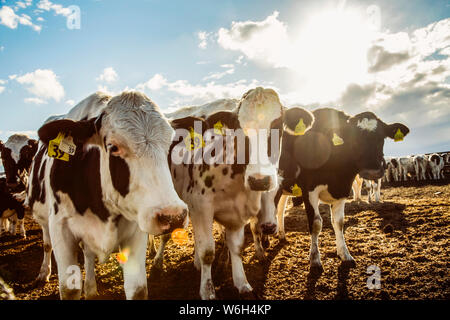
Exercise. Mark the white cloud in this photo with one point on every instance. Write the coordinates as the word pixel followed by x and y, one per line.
pixel 194 94
pixel 2 48
pixel 2 89
pixel 108 75
pixel 203 37
pixel 35 100
pixel 12 77
pixel 155 83
pixel 263 41
pixel 11 20
pixel 70 102
pixel 219 75
pixel 43 83
pixel 23 4
pixel 3 81
pixel 40 19
pixel 56 8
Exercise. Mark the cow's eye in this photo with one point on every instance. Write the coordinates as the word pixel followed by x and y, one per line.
pixel 113 149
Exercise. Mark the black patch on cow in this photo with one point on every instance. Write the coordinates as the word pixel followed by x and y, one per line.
pixel 80 180
pixel 55 207
pixel 203 190
pixel 208 181
pixel 120 174
pixel 225 171
pixel 8 201
pixel 37 182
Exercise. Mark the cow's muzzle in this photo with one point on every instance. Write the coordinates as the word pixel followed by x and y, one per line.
pixel 268 228
pixel 170 219
pixel 259 184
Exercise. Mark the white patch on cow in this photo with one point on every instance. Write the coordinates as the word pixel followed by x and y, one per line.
pixel 368 125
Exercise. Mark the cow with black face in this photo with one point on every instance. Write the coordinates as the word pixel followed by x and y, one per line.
pixel 230 192
pixel 17 154
pixel 322 164
pixel 113 190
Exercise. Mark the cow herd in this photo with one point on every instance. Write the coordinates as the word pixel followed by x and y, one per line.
pixel 114 170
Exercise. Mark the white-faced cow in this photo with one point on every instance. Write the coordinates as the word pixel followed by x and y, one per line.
pixel 322 164
pixel 111 192
pixel 406 168
pixel 17 154
pixel 230 192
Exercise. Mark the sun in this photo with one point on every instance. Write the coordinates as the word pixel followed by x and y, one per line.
pixel 330 51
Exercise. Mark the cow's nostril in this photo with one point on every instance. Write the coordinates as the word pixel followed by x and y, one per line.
pixel 170 221
pixel 262 184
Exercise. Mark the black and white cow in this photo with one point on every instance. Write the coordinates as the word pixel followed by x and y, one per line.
pixel 392 171
pixel 420 166
pixel 436 165
pixel 11 208
pixel 406 168
pixel 323 163
pixel 230 193
pixel 114 190
pixel 17 154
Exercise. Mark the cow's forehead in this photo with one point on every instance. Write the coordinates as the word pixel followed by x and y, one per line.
pixel 259 108
pixel 142 127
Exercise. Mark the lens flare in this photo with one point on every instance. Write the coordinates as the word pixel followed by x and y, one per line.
pixel 179 236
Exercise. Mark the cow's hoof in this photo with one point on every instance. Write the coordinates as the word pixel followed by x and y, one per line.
pixel 348 263
pixel 316 269
pixel 248 296
pixel 158 264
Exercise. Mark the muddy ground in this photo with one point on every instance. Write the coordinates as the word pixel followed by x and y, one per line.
pixel 406 236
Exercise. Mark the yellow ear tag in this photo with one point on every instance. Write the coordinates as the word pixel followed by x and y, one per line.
pixel 194 140
pixel 300 128
pixel 218 128
pixel 53 148
pixel 337 141
pixel 399 135
pixel 66 145
pixel 296 191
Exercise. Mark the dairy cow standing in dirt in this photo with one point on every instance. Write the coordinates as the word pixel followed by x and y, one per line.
pixel 11 208
pixel 435 166
pixel 230 193
pixel 114 190
pixel 322 164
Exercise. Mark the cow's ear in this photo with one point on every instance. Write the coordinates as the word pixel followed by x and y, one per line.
pixel 80 131
pixel 297 121
pixel 227 119
pixel 188 123
pixel 396 131
pixel 312 150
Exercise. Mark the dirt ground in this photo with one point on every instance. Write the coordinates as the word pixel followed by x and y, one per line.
pixel 406 236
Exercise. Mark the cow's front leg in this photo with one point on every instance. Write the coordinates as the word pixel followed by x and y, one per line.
pixel 65 250
pixel 13 224
pixel 337 219
pixel 90 285
pixel 158 261
pixel 280 215
pixel 257 240
pixel 315 227
pixel 46 266
pixel 134 273
pixel 235 241
pixel 202 222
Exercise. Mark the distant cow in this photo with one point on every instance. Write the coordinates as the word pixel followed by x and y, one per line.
pixel 436 165
pixel 322 164
pixel 393 170
pixel 113 190
pixel 230 193
pixel 420 166
pixel 17 154
pixel 406 168
pixel 12 210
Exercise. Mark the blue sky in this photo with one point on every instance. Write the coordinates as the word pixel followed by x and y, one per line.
pixel 391 57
